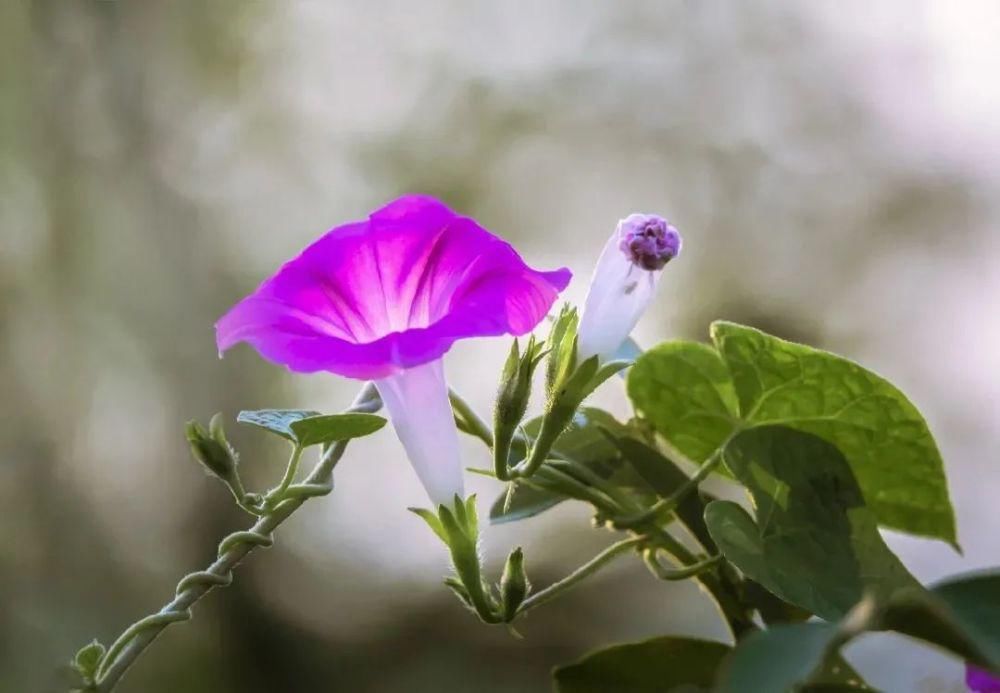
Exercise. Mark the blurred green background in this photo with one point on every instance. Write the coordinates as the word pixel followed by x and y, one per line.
pixel 834 167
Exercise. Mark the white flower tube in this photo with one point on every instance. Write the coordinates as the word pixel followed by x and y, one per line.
pixel 624 282
pixel 418 406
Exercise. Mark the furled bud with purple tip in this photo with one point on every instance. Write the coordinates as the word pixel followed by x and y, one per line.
pixel 649 241
pixel 624 282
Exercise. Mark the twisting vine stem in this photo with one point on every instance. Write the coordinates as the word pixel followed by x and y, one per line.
pixel 232 550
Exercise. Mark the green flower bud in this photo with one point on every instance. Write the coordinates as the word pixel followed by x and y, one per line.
pixel 458 527
pixel 513 395
pixel 210 448
pixel 562 349
pixel 514 585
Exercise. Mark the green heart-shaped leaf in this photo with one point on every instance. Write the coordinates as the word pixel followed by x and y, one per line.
pixel 660 665
pixel 960 615
pixel 784 658
pixel 697 397
pixel 814 544
pixel 684 390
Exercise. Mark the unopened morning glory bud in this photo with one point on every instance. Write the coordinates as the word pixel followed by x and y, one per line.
pixel 512 399
pixel 216 455
pixel 211 448
pixel 624 282
pixel 514 585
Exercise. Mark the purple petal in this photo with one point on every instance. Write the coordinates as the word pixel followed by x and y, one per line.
pixel 980 680
pixel 371 298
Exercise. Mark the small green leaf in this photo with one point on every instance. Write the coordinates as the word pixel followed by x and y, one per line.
pixel 582 442
pixel 432 521
pixel 660 665
pixel 276 420
pixel 305 427
pixel 815 544
pixel 330 428
pixel 525 501
pixel 88 659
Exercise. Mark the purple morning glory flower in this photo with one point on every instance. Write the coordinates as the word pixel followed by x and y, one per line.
pixel 624 281
pixel 980 680
pixel 384 299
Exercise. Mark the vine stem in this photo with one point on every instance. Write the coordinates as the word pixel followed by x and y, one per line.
pixel 667 505
pixel 581 573
pixel 232 550
pixel 275 496
pixel 684 573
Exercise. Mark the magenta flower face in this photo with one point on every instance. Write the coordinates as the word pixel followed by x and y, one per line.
pixel 384 299
pixel 372 298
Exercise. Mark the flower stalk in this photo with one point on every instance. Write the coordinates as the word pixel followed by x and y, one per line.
pixel 586 570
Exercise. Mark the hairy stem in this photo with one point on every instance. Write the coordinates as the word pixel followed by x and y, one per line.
pixel 584 571
pixel 232 550
pixel 275 496
pixel 664 573
pixel 667 505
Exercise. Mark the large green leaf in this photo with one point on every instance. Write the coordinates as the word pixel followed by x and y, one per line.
pixel 815 544
pixel 784 658
pixel 660 665
pixel 773 610
pixel 697 396
pixel 684 390
pixel 961 615
pixel 880 432
pixel 584 441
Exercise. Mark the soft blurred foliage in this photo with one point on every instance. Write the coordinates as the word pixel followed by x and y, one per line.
pixel 834 168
